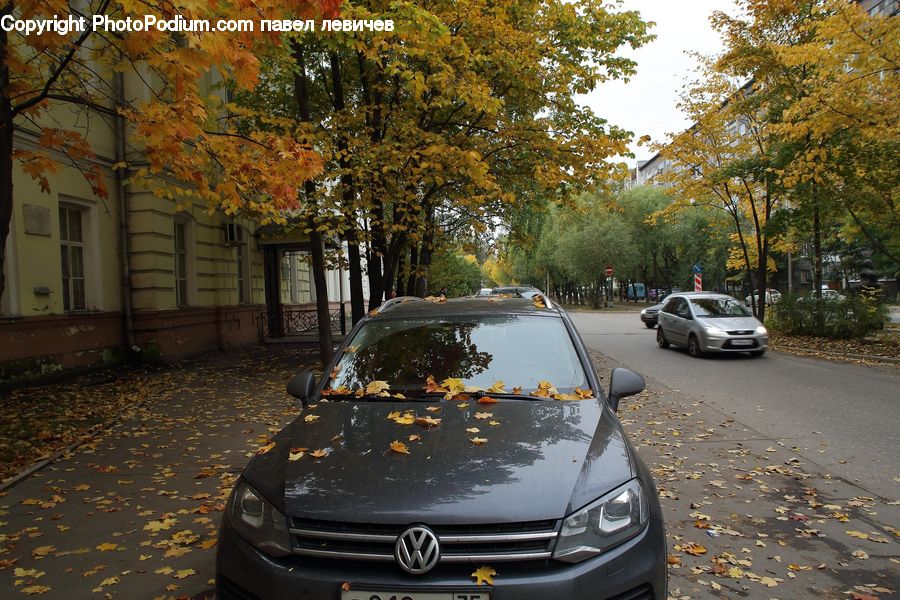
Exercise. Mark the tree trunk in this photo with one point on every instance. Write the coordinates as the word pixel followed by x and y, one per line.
pixel 357 302
pixel 323 311
pixel 817 262
pixel 425 256
pixel 6 151
pixel 413 270
pixel 357 307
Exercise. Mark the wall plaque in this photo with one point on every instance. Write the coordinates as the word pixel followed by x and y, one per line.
pixel 37 219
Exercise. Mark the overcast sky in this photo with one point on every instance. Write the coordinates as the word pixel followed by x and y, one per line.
pixel 647 103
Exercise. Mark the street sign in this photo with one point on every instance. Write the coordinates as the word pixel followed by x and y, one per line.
pixel 698 268
pixel 609 270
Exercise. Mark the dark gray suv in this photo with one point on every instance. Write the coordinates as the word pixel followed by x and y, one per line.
pixel 457 450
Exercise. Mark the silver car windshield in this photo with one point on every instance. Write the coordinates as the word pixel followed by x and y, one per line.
pixel 521 351
pixel 718 307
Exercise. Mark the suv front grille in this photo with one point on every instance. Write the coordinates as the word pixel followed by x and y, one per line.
pixel 498 542
pixel 741 332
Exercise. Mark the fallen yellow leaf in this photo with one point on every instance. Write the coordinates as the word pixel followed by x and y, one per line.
pixel 484 575
pixel 399 447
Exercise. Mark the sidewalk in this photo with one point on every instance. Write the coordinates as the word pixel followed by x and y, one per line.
pixel 134 513
pixel 745 517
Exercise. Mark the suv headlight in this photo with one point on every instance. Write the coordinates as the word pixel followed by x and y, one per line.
pixel 713 330
pixel 614 518
pixel 761 330
pixel 258 522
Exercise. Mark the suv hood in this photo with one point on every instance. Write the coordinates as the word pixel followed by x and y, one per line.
pixel 542 460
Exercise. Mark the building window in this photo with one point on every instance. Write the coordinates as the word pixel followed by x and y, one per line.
pixel 181 263
pixel 71 245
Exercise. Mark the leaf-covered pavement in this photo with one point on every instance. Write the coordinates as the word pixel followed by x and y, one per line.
pixel 134 513
pixel 746 517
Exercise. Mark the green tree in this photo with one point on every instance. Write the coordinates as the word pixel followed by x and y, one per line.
pixel 459 274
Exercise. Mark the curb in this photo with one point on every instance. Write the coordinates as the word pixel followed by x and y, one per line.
pixel 83 439
pixel 792 349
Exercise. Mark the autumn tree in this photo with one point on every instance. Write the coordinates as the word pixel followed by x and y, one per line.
pixel 193 151
pixel 462 115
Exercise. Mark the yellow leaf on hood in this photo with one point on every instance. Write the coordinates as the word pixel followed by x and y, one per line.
pixel 399 447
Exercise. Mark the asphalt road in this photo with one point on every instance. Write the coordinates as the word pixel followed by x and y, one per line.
pixel 844 418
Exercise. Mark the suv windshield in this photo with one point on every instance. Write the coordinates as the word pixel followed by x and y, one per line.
pixel 718 307
pixel 518 350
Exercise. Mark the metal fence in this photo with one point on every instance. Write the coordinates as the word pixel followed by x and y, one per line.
pixel 299 321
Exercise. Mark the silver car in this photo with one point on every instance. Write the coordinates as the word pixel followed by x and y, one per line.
pixel 709 322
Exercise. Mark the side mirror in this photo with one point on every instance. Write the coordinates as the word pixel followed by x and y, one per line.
pixel 622 383
pixel 302 386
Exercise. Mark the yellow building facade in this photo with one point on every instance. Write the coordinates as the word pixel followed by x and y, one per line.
pixel 90 280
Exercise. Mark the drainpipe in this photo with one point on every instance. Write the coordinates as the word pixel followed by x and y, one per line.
pixel 122 201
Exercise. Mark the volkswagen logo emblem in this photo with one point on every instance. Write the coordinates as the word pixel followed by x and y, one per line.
pixel 417 550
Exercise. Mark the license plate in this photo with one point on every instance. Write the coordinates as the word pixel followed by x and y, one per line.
pixel 741 342
pixel 382 595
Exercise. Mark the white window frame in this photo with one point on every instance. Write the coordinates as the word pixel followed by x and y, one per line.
pixel 89 245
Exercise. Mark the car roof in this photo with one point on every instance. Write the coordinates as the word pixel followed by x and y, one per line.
pixel 472 305
pixel 690 295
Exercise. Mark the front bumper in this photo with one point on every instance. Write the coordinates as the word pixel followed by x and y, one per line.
pixel 727 343
pixel 635 570
pixel 649 318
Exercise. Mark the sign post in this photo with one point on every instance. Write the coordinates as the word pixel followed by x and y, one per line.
pixel 607 291
pixel 698 277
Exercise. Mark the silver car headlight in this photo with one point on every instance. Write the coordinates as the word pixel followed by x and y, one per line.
pixel 258 522
pixel 611 520
pixel 761 330
pixel 713 330
pixel 644 312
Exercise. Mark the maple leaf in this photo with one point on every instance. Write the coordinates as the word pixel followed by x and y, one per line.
pixel 160 525
pixel 414 438
pixel 538 302
pixel 484 575
pixel 584 394
pixel 496 388
pixel 433 408
pixel 483 415
pixel 319 453
pixel 310 418
pixel 106 546
pixel 294 456
pixel 472 430
pixel 266 448
pixel 463 405
pixel 399 447
pixel 405 419
pixel 432 386
pixel 163 570
pixel 181 574
pixel 545 390
pixel 517 390
pixel 42 551
pixel 487 400
pixel 377 387
pixel 428 421
pixel 479 441
pixel 35 589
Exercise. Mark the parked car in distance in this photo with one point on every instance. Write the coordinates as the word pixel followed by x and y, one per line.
pixel 772 297
pixel 709 322
pixel 649 315
pixel 423 466
pixel 828 295
pixel 484 292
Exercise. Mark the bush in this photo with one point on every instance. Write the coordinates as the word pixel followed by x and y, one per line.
pixel 853 317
